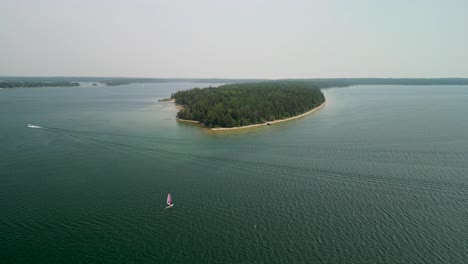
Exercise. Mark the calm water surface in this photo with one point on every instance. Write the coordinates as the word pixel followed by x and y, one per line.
pixel 380 175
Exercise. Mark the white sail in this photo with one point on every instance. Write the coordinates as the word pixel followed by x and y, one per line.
pixel 169 199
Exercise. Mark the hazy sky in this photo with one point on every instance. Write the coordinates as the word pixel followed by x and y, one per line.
pixel 234 39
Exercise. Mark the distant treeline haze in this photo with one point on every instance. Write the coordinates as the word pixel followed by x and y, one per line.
pixel 320 82
pixel 234 105
pixel 16 84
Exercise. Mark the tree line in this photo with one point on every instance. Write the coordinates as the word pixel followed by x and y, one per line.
pixel 244 104
pixel 17 84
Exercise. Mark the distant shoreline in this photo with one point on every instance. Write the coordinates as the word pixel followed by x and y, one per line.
pixel 35 84
pixel 254 125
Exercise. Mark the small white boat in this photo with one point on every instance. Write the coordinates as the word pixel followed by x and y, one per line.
pixel 33 126
pixel 169 201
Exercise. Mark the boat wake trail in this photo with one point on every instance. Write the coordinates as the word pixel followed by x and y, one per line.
pixel 33 126
pixel 100 133
pixel 166 149
pixel 363 179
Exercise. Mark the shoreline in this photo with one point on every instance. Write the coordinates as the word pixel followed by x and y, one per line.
pixel 256 125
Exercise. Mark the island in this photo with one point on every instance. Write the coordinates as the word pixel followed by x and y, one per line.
pixel 33 84
pixel 234 106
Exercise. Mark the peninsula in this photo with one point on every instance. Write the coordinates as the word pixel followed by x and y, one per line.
pixel 235 106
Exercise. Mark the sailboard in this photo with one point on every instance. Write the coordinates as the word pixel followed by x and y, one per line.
pixel 169 201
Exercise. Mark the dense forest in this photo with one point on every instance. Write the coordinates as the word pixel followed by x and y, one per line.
pixel 17 84
pixel 244 104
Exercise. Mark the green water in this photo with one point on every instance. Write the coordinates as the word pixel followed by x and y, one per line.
pixel 380 175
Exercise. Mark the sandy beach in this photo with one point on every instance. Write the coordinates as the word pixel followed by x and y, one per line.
pixel 258 125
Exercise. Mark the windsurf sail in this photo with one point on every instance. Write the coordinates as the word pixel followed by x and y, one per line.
pixel 169 199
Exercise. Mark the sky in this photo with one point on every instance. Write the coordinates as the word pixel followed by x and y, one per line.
pixel 234 39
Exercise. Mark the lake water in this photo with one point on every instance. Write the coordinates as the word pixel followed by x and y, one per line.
pixel 380 175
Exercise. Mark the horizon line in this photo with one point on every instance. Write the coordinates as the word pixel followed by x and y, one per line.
pixel 220 78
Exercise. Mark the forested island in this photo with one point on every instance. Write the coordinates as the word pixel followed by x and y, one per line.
pixel 236 105
pixel 19 84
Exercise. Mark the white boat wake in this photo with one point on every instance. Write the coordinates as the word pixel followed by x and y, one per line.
pixel 33 126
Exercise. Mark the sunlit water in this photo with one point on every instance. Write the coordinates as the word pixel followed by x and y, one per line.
pixel 380 175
